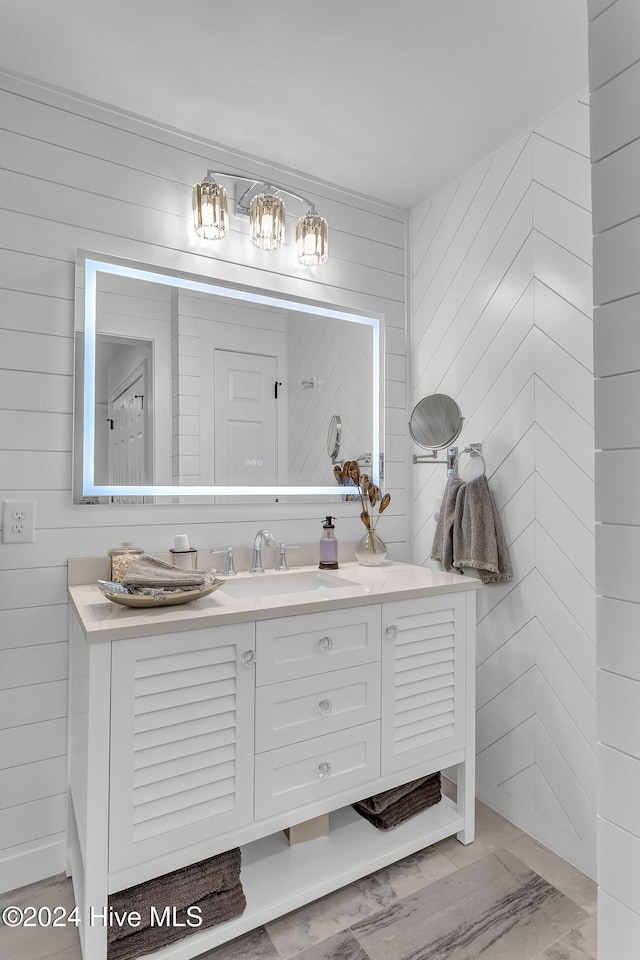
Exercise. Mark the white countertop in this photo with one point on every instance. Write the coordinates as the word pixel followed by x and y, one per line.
pixel 103 620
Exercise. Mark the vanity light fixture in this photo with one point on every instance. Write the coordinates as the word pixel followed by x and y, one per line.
pixel 210 210
pixel 262 203
pixel 266 221
pixel 312 239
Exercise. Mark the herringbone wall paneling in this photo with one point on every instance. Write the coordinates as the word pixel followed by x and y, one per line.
pixel 501 306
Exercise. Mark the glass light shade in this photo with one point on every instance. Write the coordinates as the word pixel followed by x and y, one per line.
pixel 210 212
pixel 312 240
pixel 266 221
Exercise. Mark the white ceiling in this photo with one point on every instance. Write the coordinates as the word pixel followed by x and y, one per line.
pixel 389 98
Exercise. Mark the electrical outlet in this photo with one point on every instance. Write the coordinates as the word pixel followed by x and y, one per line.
pixel 18 521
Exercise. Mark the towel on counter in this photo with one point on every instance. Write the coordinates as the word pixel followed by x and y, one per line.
pixel 478 539
pixel 442 548
pixel 146 571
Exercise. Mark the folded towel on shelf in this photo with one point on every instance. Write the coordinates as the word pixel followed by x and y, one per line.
pixel 442 548
pixel 210 910
pixel 426 794
pixel 380 801
pixel 180 888
pixel 478 539
pixel 212 886
pixel 146 571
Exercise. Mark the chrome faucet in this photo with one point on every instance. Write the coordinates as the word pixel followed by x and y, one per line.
pixel 263 537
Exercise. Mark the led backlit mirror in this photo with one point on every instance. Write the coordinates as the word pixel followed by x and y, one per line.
pixel 186 387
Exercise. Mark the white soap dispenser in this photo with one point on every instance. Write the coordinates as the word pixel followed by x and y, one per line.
pixel 328 546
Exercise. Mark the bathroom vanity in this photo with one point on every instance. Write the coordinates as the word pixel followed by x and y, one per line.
pixel 218 724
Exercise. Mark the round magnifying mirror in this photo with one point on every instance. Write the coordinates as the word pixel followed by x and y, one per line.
pixel 334 437
pixel 436 421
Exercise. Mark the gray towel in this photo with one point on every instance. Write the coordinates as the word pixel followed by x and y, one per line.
pixel 212 886
pixel 426 794
pixel 442 548
pixel 146 571
pixel 478 540
pixel 379 802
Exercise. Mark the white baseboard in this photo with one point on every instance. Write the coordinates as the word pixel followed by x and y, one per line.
pixel 32 862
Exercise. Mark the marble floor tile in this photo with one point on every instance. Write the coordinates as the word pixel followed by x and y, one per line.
pixel 254 945
pixel 340 910
pixel 343 946
pixel 492 833
pixel 562 951
pixel 585 937
pixel 72 953
pixel 556 871
pixel 496 908
pixel 41 942
pixel 578 944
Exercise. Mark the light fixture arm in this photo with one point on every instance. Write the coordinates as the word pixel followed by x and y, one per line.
pixel 242 206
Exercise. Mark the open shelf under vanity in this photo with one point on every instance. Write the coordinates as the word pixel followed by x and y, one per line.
pixel 278 878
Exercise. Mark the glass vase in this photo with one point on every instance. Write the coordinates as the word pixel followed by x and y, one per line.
pixel 371 550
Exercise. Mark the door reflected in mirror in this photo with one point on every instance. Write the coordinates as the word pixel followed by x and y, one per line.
pixel 188 388
pixel 123 411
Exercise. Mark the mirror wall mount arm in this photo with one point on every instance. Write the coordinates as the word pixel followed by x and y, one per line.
pixel 452 457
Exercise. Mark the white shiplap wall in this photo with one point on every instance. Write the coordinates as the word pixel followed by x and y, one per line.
pixel 614 52
pixel 501 320
pixel 75 175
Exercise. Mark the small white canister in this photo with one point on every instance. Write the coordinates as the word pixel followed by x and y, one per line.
pixel 182 555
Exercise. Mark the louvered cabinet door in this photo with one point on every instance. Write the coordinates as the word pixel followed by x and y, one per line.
pixel 423 696
pixel 182 708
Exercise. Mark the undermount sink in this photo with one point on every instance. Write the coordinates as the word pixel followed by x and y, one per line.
pixel 273 585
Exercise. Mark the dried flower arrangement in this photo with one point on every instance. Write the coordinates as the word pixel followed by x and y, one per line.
pixel 368 494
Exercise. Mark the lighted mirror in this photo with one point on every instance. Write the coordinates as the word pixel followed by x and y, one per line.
pixel 188 387
pixel 436 421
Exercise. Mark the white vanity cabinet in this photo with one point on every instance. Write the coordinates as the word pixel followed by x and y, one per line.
pixel 424 699
pixel 182 729
pixel 190 737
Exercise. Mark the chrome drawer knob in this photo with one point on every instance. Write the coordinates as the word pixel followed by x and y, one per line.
pixel 325 707
pixel 325 644
pixel 249 658
pixel 392 632
pixel 324 770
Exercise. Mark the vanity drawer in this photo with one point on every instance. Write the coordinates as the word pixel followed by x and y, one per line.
pixel 292 647
pixel 312 706
pixel 293 776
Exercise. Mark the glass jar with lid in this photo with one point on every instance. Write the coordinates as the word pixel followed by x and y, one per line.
pixel 121 558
